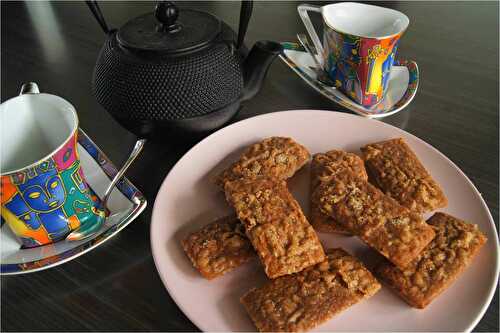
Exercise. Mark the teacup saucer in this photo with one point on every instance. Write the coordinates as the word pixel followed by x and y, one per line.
pixel 403 83
pixel 125 204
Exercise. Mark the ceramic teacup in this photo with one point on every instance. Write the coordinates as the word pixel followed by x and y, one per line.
pixel 359 46
pixel 44 195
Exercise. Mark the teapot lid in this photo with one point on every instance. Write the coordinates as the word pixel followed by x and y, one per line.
pixel 169 30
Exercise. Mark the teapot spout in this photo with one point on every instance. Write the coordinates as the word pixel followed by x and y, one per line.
pixel 256 65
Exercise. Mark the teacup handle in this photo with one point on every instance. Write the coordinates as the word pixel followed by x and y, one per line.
pixel 29 88
pixel 303 9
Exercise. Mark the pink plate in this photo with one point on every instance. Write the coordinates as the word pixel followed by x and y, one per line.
pixel 188 200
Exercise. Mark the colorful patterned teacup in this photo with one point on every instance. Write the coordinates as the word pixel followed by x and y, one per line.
pixel 43 194
pixel 360 44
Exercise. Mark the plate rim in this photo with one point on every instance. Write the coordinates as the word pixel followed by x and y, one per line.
pixel 163 188
pixel 138 201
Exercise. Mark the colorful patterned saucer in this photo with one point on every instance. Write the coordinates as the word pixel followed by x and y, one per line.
pixel 125 204
pixel 403 83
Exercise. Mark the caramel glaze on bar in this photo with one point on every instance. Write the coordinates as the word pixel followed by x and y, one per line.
pixel 377 219
pixel 222 246
pixel 301 301
pixel 218 247
pixel 324 166
pixel 397 171
pixel 275 157
pixel 455 245
pixel 280 233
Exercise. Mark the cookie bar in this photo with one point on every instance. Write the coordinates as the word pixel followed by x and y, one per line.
pixel 275 157
pixel 301 301
pixel 391 229
pixel 397 171
pixel 323 167
pixel 219 247
pixel 440 264
pixel 284 240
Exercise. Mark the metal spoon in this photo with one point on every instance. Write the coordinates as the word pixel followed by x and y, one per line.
pixel 321 74
pixel 90 229
pixel 305 44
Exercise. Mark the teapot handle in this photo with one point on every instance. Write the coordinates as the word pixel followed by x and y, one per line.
pixel 245 14
pixel 94 8
pixel 29 88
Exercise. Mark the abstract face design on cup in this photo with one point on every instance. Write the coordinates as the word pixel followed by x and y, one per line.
pixel 46 200
pixel 44 191
pixel 359 47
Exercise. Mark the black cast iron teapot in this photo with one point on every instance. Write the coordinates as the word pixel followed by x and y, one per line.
pixel 178 71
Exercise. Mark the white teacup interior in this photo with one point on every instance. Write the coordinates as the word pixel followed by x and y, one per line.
pixel 364 20
pixel 33 126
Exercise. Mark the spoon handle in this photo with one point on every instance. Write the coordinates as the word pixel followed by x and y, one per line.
pixel 321 73
pixel 88 230
pixel 305 44
pixel 133 154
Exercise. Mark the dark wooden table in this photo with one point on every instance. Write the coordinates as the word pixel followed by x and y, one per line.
pixel 116 287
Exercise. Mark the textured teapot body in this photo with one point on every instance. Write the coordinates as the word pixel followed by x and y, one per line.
pixel 136 87
pixel 178 72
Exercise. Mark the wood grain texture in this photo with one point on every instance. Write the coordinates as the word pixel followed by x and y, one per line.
pixel 116 287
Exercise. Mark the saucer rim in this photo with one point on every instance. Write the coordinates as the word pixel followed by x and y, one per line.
pixel 126 187
pixel 345 101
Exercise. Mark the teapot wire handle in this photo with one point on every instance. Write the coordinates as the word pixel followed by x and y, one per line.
pixel 245 14
pixel 96 11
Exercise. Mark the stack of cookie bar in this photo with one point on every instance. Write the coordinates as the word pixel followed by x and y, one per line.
pixel 382 205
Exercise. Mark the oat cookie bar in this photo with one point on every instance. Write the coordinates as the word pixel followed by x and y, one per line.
pixel 301 301
pixel 323 168
pixel 391 229
pixel 274 157
pixel 275 224
pixel 397 171
pixel 455 245
pixel 218 247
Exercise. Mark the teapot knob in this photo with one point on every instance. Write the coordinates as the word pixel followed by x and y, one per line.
pixel 167 13
pixel 29 88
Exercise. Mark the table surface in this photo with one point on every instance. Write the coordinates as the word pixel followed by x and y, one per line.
pixel 116 287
